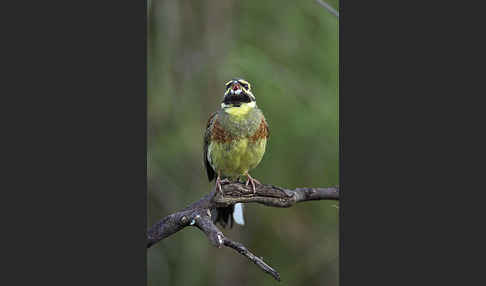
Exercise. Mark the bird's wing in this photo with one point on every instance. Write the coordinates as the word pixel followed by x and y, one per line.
pixel 267 129
pixel 207 137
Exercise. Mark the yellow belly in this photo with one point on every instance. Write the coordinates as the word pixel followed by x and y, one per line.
pixel 235 158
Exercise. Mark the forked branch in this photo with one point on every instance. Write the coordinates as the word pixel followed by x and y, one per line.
pixel 204 212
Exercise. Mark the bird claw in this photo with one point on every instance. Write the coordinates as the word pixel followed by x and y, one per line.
pixel 219 182
pixel 252 181
pixel 218 185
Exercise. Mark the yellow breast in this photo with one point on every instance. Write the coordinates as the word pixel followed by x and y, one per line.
pixel 237 157
pixel 234 154
pixel 240 111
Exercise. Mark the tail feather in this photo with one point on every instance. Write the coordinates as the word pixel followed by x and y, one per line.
pixel 238 214
pixel 227 215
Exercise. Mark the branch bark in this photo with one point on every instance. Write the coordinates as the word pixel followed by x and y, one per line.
pixel 202 213
pixel 328 7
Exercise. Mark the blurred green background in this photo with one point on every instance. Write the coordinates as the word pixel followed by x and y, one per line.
pixel 288 51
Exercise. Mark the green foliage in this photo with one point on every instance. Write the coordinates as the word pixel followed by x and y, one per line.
pixel 288 50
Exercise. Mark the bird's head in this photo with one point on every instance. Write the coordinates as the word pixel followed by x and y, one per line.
pixel 238 91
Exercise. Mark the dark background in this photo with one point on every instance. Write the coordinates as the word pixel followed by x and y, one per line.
pixel 289 52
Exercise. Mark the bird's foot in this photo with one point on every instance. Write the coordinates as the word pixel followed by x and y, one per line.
pixel 218 185
pixel 220 182
pixel 253 182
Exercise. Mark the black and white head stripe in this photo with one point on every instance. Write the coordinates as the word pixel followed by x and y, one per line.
pixel 237 86
pixel 245 84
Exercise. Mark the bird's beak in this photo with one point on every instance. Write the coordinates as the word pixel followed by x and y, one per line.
pixel 236 89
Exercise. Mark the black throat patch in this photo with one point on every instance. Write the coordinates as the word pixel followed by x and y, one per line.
pixel 236 99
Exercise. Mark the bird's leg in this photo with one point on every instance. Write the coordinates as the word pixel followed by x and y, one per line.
pixel 219 182
pixel 252 181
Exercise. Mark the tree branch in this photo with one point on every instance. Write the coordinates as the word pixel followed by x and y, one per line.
pixel 257 260
pixel 203 213
pixel 328 7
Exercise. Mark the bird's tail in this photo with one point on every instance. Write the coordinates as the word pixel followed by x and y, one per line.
pixel 238 214
pixel 227 215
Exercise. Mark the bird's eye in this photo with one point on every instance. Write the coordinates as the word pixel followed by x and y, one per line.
pixel 228 84
pixel 244 84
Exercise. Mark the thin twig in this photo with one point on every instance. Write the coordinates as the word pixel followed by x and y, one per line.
pixel 241 249
pixel 328 7
pixel 217 238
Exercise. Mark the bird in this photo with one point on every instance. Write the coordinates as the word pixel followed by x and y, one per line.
pixel 235 141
